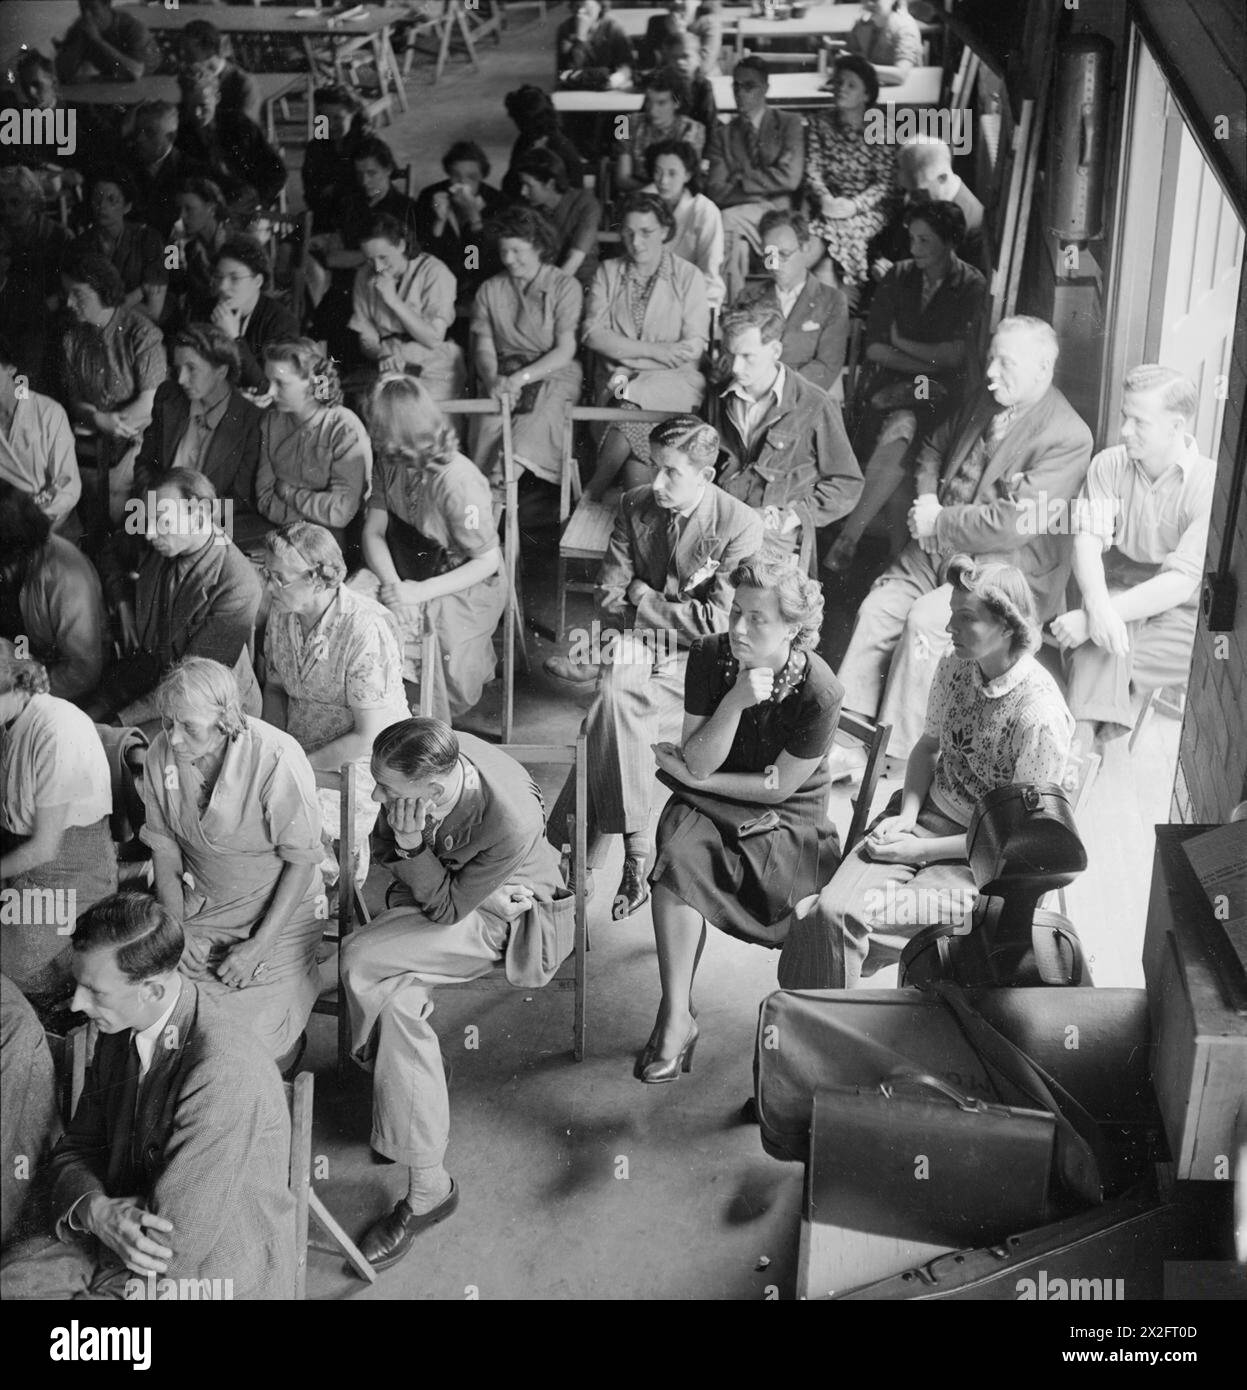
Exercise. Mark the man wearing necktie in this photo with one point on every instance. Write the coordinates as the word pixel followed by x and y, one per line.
pixel 662 584
pixel 175 1165
pixel 990 480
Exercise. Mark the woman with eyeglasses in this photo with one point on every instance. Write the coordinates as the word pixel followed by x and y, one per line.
pixel 54 834
pixel 134 248
pixel 333 675
pixel 431 548
pixel 235 832
pixel 244 312
pixel 745 835
pixel 850 181
pixel 315 455
pixel 647 319
pixel 675 175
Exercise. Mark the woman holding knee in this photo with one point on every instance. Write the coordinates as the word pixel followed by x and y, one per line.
pixel 994 717
pixel 745 835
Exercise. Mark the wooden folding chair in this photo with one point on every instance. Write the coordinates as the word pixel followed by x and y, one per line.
pixel 513 618
pixel 299 1096
pixel 351 905
pixel 874 737
pixel 572 973
pixel 1170 700
pixel 586 532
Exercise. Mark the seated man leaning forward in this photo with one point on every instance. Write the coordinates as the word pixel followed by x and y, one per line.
pixel 1140 532
pixel 995 716
pixel 464 836
pixel 663 584
pixel 988 478
pixel 175 1167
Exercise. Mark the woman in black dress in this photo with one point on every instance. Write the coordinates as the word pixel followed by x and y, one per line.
pixel 745 834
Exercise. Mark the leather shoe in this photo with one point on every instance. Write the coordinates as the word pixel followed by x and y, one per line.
pixel 633 890
pixel 570 672
pixel 388 1240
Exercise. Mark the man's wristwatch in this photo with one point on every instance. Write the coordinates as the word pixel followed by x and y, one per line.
pixel 409 853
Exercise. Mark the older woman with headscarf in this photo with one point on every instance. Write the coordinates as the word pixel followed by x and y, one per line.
pixel 55 846
pixel 234 826
pixel 333 672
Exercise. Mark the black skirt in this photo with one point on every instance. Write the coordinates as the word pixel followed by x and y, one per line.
pixel 746 885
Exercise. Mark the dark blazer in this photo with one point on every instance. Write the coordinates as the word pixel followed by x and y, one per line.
pixel 716 538
pixel 269 323
pixel 733 176
pixel 240 158
pixel 816 334
pixel 209 1149
pixel 233 450
pixel 156 194
pixel 1045 456
pixel 495 834
pixel 212 611
pixel 451 247
pixel 800 458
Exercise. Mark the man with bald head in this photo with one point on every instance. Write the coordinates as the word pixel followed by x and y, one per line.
pixel 989 482
pixel 924 171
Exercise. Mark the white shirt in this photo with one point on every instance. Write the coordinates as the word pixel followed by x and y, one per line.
pixel 145 1041
pixel 748 414
pixel 788 298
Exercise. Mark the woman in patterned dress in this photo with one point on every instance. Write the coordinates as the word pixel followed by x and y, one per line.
pixel 994 717
pixel 850 181
pixel 647 319
pixel 332 669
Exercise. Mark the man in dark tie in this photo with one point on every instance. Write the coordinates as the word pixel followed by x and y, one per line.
pixel 756 163
pixel 175 1166
pixel 987 479
pixel 663 583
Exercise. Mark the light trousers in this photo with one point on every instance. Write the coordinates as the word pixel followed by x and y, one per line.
pixel 390 968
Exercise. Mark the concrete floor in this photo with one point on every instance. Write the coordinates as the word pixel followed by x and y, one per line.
pixel 577 1181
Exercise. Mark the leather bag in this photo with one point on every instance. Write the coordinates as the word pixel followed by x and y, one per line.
pixel 918 1159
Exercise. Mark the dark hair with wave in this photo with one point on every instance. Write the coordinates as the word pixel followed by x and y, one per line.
pixel 684 152
pixel 651 203
pixel 800 598
pixel 946 220
pixel 1004 591
pixel 525 224
pixel 96 272
pixel 147 939
pixel 417 748
pixel 211 343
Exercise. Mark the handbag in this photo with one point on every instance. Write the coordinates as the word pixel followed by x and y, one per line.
pixel 1023 835
pixel 916 1158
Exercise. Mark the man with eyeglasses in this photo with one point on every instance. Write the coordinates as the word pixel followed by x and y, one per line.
pixel 757 164
pixel 816 316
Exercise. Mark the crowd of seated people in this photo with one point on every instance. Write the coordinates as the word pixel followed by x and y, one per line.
pixel 243 540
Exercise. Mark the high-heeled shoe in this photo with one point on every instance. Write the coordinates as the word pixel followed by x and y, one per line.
pixel 669 1068
pixel 646 1054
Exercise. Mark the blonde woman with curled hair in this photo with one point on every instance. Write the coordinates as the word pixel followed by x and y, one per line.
pixel 315 456
pixel 995 716
pixel 745 835
pixel 430 545
pixel 54 836
pixel 235 832
pixel 332 669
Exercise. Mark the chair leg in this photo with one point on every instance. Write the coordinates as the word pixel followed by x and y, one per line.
pixel 1145 712
pixel 340 1237
pixel 561 581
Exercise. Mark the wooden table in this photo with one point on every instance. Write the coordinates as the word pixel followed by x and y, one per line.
pixel 273 86
pixel 793 90
pixel 820 19
pixel 321 25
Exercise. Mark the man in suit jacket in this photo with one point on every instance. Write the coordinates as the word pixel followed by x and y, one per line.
pixel 784 449
pixel 224 441
pixel 757 163
pixel 816 316
pixel 195 594
pixel 986 479
pixel 248 169
pixel 463 832
pixel 157 166
pixel 173 1175
pixel 665 581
